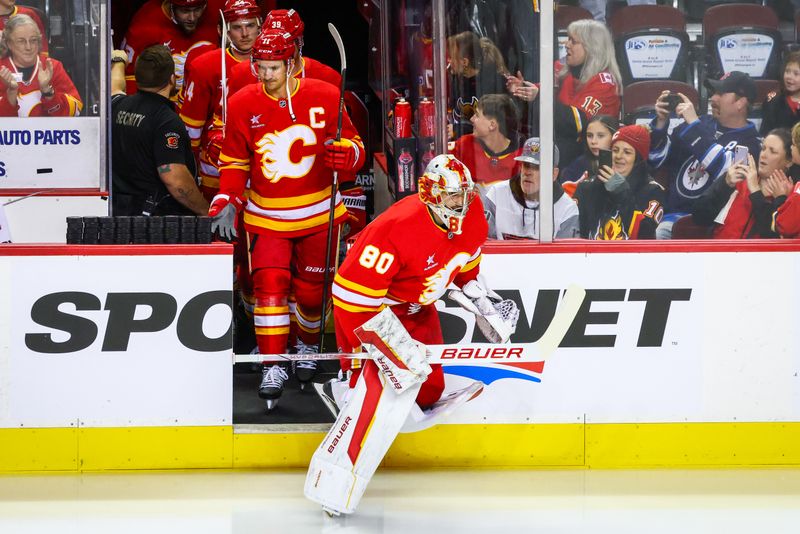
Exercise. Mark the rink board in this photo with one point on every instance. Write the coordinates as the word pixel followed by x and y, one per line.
pixel 686 356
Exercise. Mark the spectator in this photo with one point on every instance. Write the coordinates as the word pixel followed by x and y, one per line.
pixel 741 205
pixel 8 9
pixel 786 218
pixel 512 207
pixel 201 107
pixel 183 26
pixel 153 169
pixel 782 109
pixel 477 68
pixel 304 66
pixel 35 85
pixel 622 202
pixel 588 85
pixel 489 151
pixel 700 150
pixel 598 135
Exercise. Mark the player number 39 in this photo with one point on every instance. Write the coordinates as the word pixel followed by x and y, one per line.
pixel 372 258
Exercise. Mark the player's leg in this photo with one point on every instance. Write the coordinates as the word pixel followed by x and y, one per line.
pixel 308 277
pixel 270 258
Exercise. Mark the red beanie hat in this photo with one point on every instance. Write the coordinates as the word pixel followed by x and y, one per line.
pixel 636 135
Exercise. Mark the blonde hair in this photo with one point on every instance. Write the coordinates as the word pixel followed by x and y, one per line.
pixel 476 50
pixel 599 47
pixel 11 26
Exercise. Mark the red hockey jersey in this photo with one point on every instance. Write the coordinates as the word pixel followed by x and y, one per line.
pixel 22 10
pixel 66 102
pixel 598 96
pixel 403 256
pixel 242 75
pixel 486 167
pixel 152 25
pixel 284 160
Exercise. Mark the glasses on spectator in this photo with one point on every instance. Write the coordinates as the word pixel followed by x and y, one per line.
pixel 21 41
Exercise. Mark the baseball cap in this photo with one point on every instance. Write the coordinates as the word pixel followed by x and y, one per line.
pixel 531 152
pixel 734 82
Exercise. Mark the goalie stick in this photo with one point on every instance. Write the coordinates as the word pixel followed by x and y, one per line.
pixel 470 353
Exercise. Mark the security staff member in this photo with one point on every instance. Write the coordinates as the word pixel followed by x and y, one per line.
pixel 153 168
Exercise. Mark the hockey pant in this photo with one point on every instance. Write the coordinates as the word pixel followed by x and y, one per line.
pixel 422 323
pixel 282 267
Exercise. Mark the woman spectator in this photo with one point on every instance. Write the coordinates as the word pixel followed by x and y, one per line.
pixel 622 201
pixel 477 68
pixel 782 109
pixel 35 85
pixel 588 85
pixel 741 206
pixel 599 131
pixel 9 8
pixel 490 150
pixel 786 218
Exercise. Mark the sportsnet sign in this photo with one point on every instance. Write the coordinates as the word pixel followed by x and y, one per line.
pixel 117 340
pixel 44 153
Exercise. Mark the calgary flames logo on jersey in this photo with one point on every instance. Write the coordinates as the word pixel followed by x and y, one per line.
pixel 275 149
pixel 436 284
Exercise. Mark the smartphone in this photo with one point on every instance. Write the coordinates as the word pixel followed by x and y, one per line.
pixel 672 101
pixel 604 158
pixel 740 153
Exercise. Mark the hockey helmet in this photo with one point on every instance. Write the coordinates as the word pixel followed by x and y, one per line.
pixel 241 9
pixel 447 187
pixel 288 21
pixel 273 45
pixel 188 3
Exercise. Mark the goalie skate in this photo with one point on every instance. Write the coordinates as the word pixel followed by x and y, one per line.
pixel 433 415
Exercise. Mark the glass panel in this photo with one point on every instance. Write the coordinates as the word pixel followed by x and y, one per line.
pixel 51 96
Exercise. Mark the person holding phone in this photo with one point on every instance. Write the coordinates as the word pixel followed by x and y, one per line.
pixel 786 217
pixel 741 205
pixel 623 202
pixel 699 151
pixel 598 134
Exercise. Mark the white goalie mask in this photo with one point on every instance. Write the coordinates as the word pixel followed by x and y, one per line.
pixel 447 187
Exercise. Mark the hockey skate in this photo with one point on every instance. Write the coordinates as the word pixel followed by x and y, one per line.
pixel 305 370
pixel 334 393
pixel 271 387
pixel 419 419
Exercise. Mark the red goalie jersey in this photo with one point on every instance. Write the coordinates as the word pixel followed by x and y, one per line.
pixel 284 160
pixel 404 257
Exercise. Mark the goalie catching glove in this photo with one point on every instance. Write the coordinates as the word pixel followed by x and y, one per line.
pixel 496 317
pixel 223 212
pixel 343 155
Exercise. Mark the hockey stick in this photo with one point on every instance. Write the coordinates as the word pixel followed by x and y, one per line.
pixel 224 73
pixel 470 353
pixel 334 187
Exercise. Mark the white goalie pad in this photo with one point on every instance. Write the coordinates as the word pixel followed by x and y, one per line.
pixel 344 463
pixel 495 317
pixel 401 359
pixel 367 424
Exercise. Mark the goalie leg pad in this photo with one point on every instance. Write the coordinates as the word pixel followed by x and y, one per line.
pixel 344 463
pixel 399 357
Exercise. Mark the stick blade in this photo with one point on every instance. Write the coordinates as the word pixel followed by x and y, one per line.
pixel 562 320
pixel 339 44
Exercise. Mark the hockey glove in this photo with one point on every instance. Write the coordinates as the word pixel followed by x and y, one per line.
pixel 342 155
pixel 223 212
pixel 496 318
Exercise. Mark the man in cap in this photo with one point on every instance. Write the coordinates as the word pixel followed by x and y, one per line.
pixel 700 150
pixel 512 207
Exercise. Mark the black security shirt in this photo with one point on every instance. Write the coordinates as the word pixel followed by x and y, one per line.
pixel 146 133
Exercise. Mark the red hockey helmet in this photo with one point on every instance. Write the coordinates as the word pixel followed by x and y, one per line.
pixel 240 10
pixel 273 45
pixel 188 3
pixel 448 189
pixel 288 21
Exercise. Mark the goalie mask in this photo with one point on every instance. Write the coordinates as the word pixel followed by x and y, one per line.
pixel 447 188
